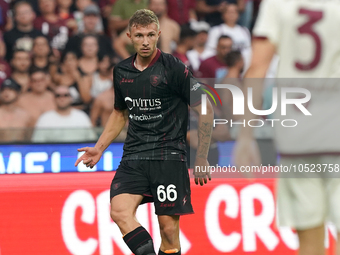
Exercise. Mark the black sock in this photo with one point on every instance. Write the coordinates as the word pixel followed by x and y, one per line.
pixel 140 242
pixel 162 253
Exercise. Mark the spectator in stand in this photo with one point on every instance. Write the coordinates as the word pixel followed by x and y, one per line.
pixel 69 74
pixel 169 37
pixel 22 35
pixel 211 10
pixel 101 79
pixel 121 12
pixel 15 121
pixel 102 109
pixel 20 64
pixel 182 11
pixel 65 13
pixel 215 66
pixel 5 20
pixel 41 54
pixel 88 62
pixel 246 8
pixel 91 20
pixel 240 35
pixel 198 53
pixel 65 124
pixel 103 105
pixel 82 6
pixel 5 70
pixel 2 46
pixel 235 63
pixel 186 43
pixel 51 25
pixel 38 100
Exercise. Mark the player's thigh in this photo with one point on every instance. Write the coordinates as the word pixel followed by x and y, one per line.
pixel 125 203
pixel 302 198
pixel 170 187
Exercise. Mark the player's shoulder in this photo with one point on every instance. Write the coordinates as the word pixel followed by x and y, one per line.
pixel 125 64
pixel 170 61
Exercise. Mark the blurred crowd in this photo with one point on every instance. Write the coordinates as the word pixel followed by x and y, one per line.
pixel 57 57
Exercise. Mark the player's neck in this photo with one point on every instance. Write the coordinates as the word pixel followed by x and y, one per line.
pixel 142 63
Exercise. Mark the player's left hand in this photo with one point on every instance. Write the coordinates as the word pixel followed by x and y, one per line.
pixel 202 171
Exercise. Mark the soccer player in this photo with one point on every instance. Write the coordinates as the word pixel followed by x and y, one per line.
pixel 153 90
pixel 303 34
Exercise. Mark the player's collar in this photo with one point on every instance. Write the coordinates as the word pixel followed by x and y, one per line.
pixel 153 61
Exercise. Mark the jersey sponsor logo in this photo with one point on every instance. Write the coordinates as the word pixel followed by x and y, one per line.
pixel 143 103
pixel 144 117
pixel 124 80
pixel 155 80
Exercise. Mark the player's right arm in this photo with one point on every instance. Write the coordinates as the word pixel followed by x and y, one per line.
pixel 113 127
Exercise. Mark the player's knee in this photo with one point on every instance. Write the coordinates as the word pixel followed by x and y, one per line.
pixel 119 216
pixel 169 232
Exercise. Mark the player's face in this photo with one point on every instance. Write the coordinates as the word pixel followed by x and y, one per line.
pixel 144 39
pixel 8 96
pixel 38 82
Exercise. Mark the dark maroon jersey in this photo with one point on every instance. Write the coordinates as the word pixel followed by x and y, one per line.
pixel 57 32
pixel 157 100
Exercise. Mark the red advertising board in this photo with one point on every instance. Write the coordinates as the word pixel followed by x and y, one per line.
pixel 68 213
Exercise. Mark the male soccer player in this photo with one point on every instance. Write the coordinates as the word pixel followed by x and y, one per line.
pixel 304 34
pixel 153 90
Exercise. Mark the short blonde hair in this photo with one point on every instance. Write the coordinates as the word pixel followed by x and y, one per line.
pixel 143 18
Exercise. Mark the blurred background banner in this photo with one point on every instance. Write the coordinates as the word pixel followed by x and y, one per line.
pixel 53 158
pixel 68 213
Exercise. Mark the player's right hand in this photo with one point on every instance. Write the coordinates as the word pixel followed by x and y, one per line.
pixel 246 153
pixel 90 157
pixel 202 171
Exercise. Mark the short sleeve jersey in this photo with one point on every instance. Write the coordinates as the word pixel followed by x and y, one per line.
pixel 157 100
pixel 306 35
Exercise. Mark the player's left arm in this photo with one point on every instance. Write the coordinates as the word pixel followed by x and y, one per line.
pixel 204 131
pixel 185 85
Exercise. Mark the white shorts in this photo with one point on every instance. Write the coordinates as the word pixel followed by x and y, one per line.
pixel 308 199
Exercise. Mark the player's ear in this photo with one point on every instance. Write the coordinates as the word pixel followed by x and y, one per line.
pixel 128 34
pixel 159 33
